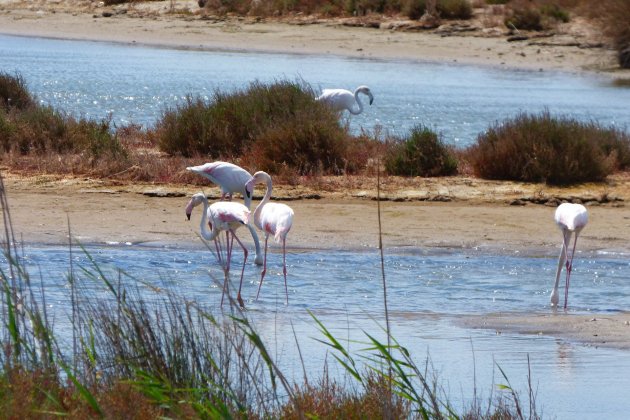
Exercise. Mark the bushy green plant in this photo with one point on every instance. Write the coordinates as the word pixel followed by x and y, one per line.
pixel 414 9
pixel 271 125
pixel 423 153
pixel 613 17
pixel 446 9
pixel 454 9
pixel 525 18
pixel 14 93
pixel 542 148
pixel 555 12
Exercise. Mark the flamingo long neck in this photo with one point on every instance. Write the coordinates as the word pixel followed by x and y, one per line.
pixel 264 201
pixel 203 227
pixel 356 98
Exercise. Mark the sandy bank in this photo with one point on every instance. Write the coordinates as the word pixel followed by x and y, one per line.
pixel 574 47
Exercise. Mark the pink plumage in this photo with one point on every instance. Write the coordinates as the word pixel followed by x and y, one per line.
pixel 272 218
pixel 571 219
pixel 340 99
pixel 223 216
pixel 231 179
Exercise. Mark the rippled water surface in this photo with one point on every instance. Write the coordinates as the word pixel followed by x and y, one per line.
pixel 428 292
pixel 134 83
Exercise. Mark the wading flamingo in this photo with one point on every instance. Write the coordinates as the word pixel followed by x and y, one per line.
pixel 340 99
pixel 223 216
pixel 231 179
pixel 272 218
pixel 570 218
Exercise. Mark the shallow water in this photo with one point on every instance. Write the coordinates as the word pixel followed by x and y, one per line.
pixel 428 293
pixel 137 83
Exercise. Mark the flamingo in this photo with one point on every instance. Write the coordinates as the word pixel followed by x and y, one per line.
pixel 272 218
pixel 223 216
pixel 340 99
pixel 231 179
pixel 570 218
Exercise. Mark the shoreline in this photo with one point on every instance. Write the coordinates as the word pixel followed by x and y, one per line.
pixel 566 50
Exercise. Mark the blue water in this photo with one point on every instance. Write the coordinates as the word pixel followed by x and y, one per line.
pixel 429 292
pixel 136 84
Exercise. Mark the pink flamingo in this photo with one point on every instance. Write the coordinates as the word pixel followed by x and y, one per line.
pixel 570 218
pixel 272 218
pixel 340 99
pixel 223 216
pixel 231 179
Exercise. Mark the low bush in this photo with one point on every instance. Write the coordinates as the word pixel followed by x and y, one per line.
pixel 42 129
pixel 446 9
pixel 525 18
pixel 555 12
pixel 269 125
pixel 613 17
pixel 541 148
pixel 14 93
pixel 423 153
pixel 454 9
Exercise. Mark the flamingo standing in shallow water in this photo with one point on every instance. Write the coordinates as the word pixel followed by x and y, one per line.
pixel 231 179
pixel 223 216
pixel 570 218
pixel 340 99
pixel 272 218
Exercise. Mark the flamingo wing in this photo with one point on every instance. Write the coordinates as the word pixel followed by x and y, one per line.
pixel 276 219
pixel 229 177
pixel 229 214
pixel 338 99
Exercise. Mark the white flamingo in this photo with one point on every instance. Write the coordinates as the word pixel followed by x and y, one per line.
pixel 231 179
pixel 272 218
pixel 570 218
pixel 223 216
pixel 340 99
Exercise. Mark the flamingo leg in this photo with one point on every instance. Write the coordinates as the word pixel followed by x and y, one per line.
pixel 264 271
pixel 569 269
pixel 238 297
pixel 228 246
pixel 284 268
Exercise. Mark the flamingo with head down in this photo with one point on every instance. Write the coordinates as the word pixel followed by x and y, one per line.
pixel 272 218
pixel 571 219
pixel 223 216
pixel 231 179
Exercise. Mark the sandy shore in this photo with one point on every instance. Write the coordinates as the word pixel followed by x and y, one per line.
pixel 459 212
pixel 482 41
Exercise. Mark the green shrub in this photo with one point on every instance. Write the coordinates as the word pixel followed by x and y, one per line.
pixel 613 17
pixel 421 154
pixel 497 1
pixel 525 18
pixel 14 93
pixel 540 148
pixel 42 129
pixel 270 125
pixel 454 9
pixel 414 9
pixel 446 9
pixel 555 12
